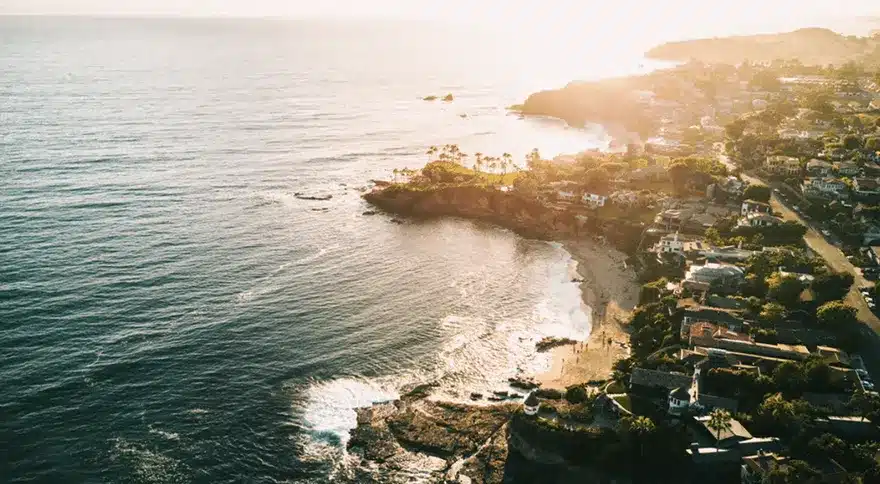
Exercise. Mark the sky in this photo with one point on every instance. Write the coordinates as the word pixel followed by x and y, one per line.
pixel 700 17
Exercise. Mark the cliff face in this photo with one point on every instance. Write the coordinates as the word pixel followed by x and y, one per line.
pixel 520 214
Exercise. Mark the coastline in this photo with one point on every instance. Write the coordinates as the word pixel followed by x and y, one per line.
pixel 611 293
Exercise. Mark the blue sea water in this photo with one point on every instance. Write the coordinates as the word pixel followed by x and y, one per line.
pixel 170 311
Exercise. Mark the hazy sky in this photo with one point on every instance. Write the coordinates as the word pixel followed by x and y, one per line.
pixel 614 19
pixel 716 10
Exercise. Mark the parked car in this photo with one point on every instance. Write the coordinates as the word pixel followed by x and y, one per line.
pixel 868 385
pixel 862 373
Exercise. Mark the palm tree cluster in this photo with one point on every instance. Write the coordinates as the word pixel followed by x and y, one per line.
pixel 482 163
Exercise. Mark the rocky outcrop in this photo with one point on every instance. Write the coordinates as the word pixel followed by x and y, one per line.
pixel 551 342
pixel 520 214
pixel 606 102
pixel 469 438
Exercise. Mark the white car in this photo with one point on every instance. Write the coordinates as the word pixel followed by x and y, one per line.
pixel 868 385
pixel 862 373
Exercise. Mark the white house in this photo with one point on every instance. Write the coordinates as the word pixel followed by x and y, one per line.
pixel 669 244
pixel 565 195
pixel 594 200
pixel 712 272
pixel 758 220
pixel 531 404
pixel 679 400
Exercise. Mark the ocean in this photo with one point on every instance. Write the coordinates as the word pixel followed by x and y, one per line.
pixel 173 312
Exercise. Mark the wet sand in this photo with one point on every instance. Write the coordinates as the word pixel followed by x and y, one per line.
pixel 612 292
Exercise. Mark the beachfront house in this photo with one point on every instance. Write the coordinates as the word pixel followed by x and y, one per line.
pixel 755 468
pixel 716 274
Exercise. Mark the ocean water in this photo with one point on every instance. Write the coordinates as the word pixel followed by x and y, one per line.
pixel 171 312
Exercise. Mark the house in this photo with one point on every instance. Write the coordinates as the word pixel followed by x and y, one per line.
pixel 824 187
pixel 565 195
pixel 819 168
pixel 649 173
pixel 754 206
pixel 727 437
pixel 703 334
pixel 626 198
pixel 531 404
pixel 679 400
pixel 848 427
pixel 846 168
pixel 758 220
pixel 783 165
pixel 594 200
pixel 866 187
pixel 716 273
pixel 755 468
pixel 870 233
pixel 669 244
pixel 781 351
pixel 668 380
pixel 728 318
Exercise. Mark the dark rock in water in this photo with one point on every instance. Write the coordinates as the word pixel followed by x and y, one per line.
pixel 303 196
pixel 429 98
pixel 448 98
pixel 396 221
pixel 523 383
pixel 500 393
pixel 370 212
pixel 463 115
pixel 322 209
pixel 577 280
pixel 551 342
pixel 476 396
pixel 497 399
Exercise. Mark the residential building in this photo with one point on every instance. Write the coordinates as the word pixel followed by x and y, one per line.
pixel 866 187
pixel 824 187
pixel 594 200
pixel 669 380
pixel 715 273
pixel 759 220
pixel 694 313
pixel 531 404
pixel 754 206
pixel 846 168
pixel 819 168
pixel 728 437
pixel 783 165
pixel 679 400
pixel 755 468
pixel 782 351
pixel 669 244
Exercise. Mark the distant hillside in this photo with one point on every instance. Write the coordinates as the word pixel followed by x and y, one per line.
pixel 813 46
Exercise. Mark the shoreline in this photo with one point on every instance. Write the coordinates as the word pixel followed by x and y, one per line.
pixel 610 292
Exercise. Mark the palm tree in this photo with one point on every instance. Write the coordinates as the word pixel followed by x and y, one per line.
pixel 456 153
pixel 533 158
pixel 506 161
pixel 719 420
pixel 640 427
pixel 395 172
pixel 478 161
pixel 431 152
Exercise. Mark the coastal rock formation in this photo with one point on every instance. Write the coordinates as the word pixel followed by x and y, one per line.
pixel 611 102
pixel 461 439
pixel 523 215
pixel 303 196
pixel 550 342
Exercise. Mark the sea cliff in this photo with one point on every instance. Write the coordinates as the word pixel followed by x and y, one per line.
pixel 523 215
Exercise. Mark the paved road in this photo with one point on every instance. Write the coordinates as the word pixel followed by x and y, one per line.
pixel 837 261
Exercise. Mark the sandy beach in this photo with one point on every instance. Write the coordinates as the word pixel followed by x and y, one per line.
pixel 612 292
